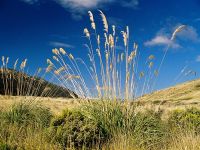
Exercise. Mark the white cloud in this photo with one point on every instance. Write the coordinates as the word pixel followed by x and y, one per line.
pixel 80 7
pixel 161 40
pixel 61 45
pixel 198 58
pixel 163 37
pixel 81 4
pixel 130 3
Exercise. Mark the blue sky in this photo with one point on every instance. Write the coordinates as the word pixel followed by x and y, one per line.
pixel 31 28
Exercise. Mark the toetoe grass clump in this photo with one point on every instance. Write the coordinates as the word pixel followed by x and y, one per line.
pixel 149 131
pixel 114 117
pixel 24 114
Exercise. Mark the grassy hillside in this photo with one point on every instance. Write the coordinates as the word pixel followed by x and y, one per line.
pixel 185 93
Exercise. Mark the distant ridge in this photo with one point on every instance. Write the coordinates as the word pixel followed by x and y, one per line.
pixel 17 83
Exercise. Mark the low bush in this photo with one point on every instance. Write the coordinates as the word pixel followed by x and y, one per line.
pixel 185 120
pixel 75 129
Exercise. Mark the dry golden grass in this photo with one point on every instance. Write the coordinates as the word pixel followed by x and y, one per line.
pixel 180 96
pixel 56 105
pixel 182 92
pixel 187 141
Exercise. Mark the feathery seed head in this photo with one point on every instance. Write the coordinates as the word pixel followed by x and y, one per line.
pixel 7 59
pixel 111 41
pixel 56 58
pixel 55 51
pixel 91 16
pixel 86 32
pixel 132 55
pixel 49 62
pixel 124 34
pixel 111 66
pixel 98 39
pixel 23 64
pixel 92 20
pixel 62 51
pixel 178 29
pixel 15 65
pixel 3 60
pixel 98 52
pixel 105 23
pixel 107 56
pixel 113 28
pixel 71 56
pixel 141 74
pixel 151 57
pixel 150 64
pixel 49 68
pixel 106 39
pixel 127 31
pixel 69 77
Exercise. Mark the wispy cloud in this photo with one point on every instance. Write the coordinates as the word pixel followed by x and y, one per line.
pixel 80 7
pixel 189 33
pixel 130 4
pixel 30 1
pixel 61 44
pixel 198 58
pixel 161 40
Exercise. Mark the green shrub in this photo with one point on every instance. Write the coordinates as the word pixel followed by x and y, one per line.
pixel 27 114
pixel 185 120
pixel 75 129
pixel 149 130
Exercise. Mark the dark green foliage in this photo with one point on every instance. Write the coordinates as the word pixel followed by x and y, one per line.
pixel 74 128
pixel 185 120
pixel 5 146
pixel 149 130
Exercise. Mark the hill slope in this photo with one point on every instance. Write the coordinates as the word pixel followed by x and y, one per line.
pixel 188 92
pixel 20 84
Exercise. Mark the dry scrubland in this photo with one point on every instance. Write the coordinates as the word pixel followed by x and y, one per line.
pixel 182 96
pixel 108 115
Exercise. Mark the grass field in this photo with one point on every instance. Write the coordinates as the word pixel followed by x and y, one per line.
pixel 47 123
pixel 152 122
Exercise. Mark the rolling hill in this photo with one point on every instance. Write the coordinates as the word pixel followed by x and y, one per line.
pixel 17 83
